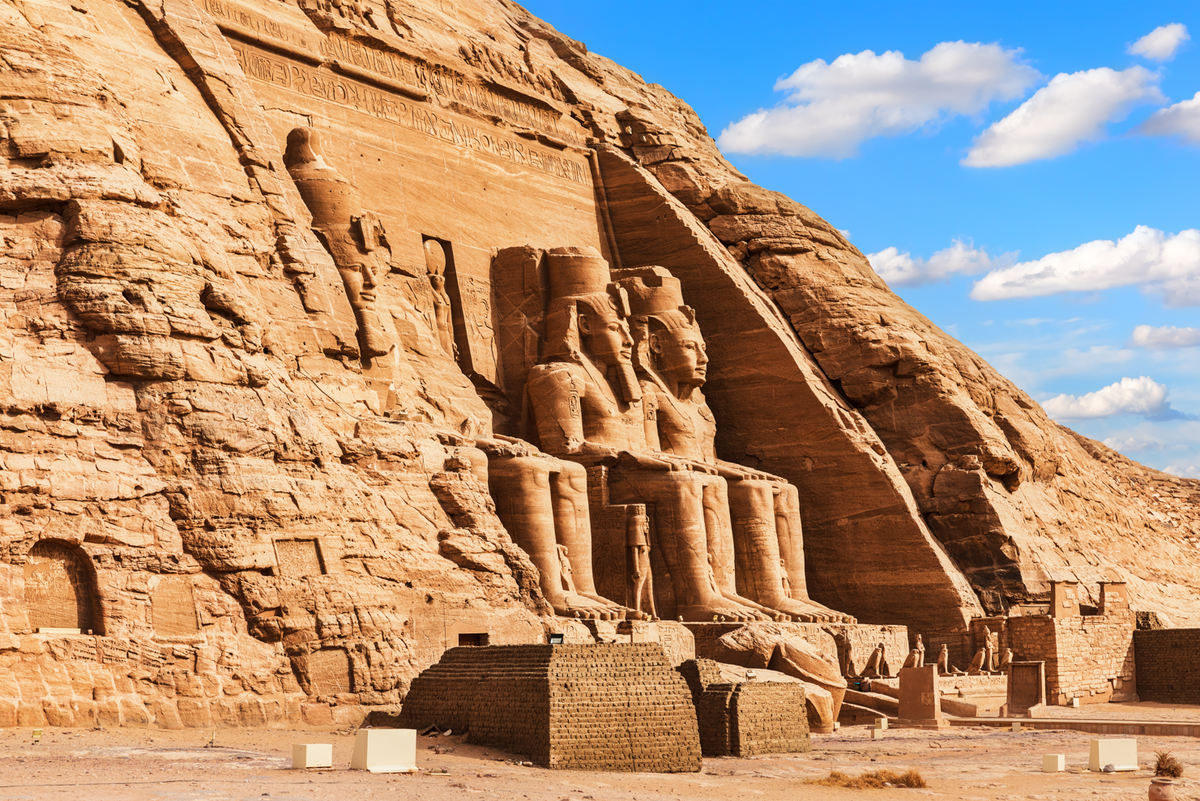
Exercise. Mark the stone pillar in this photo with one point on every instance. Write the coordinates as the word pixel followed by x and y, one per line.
pixel 1064 599
pixel 920 699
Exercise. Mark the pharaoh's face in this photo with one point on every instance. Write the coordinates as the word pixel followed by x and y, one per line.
pixel 681 355
pixel 605 336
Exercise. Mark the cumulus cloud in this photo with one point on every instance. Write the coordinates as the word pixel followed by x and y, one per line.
pixel 831 108
pixel 901 269
pixel 1165 337
pixel 1131 444
pixel 1165 264
pixel 1161 43
pixel 1183 470
pixel 1181 119
pixel 1143 396
pixel 1072 109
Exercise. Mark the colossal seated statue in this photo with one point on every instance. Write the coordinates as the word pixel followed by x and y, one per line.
pixel 543 504
pixel 350 235
pixel 585 400
pixel 672 364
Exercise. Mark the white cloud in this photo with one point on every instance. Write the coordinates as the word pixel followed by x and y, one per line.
pixel 1165 337
pixel 1165 264
pixel 901 269
pixel 831 108
pixel 1181 119
pixel 1161 43
pixel 1183 471
pixel 1072 109
pixel 1143 396
pixel 1128 445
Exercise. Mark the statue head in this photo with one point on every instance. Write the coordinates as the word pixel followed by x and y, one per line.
pixel 670 341
pixel 435 257
pixel 586 316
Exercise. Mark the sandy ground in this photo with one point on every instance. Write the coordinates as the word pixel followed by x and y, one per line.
pixel 963 763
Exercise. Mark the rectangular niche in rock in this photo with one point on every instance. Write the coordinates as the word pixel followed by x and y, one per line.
pixel 330 672
pixel 297 558
pixel 60 588
pixel 477 640
pixel 173 605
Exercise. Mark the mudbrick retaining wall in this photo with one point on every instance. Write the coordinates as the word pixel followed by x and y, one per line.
pixel 1168 665
pixel 609 707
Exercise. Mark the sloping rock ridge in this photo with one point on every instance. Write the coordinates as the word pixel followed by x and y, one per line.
pixel 269 279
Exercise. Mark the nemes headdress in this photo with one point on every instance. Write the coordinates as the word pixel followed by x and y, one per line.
pixel 655 293
pixel 579 282
pixel 575 276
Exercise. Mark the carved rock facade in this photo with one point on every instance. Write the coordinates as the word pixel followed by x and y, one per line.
pixel 250 438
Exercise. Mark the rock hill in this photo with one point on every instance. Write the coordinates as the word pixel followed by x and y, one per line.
pixel 258 490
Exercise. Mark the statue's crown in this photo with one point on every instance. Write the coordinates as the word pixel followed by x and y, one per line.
pixel 576 271
pixel 652 290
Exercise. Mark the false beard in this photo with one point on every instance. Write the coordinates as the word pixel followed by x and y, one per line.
pixel 627 382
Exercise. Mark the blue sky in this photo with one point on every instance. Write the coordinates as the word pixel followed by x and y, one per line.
pixel 1022 173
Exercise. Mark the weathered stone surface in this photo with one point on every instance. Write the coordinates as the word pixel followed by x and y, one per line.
pixel 616 707
pixel 269 492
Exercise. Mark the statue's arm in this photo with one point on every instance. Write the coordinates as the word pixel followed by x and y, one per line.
pixel 556 400
pixel 733 471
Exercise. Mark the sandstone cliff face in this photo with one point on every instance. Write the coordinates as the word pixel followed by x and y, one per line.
pixel 1015 498
pixel 259 523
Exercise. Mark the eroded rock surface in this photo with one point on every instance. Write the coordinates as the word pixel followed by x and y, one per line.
pixel 259 488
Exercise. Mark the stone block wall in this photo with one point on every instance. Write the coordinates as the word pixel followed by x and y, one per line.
pixel 608 707
pixel 1168 665
pixel 1087 657
pixel 746 718
pixel 768 718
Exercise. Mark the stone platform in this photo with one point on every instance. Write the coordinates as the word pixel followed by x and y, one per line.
pixel 609 707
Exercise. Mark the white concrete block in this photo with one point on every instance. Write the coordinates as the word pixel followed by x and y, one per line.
pixel 1016 726
pixel 1120 753
pixel 385 751
pixel 312 755
pixel 881 723
pixel 877 734
pixel 1054 763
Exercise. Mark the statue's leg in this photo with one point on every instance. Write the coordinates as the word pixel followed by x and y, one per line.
pixel 760 567
pixel 681 536
pixel 791 538
pixel 790 534
pixel 568 492
pixel 521 488
pixel 722 548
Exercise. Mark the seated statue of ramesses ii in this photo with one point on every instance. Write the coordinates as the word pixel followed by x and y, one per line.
pixel 671 362
pixel 585 401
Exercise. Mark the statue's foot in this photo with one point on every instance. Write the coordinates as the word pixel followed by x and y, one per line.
pixel 584 608
pixel 806 611
pixel 721 612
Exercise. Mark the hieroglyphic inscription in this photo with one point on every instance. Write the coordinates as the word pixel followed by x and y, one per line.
pixel 474 300
pixel 443 82
pixel 251 23
pixel 417 116
pixel 439 80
